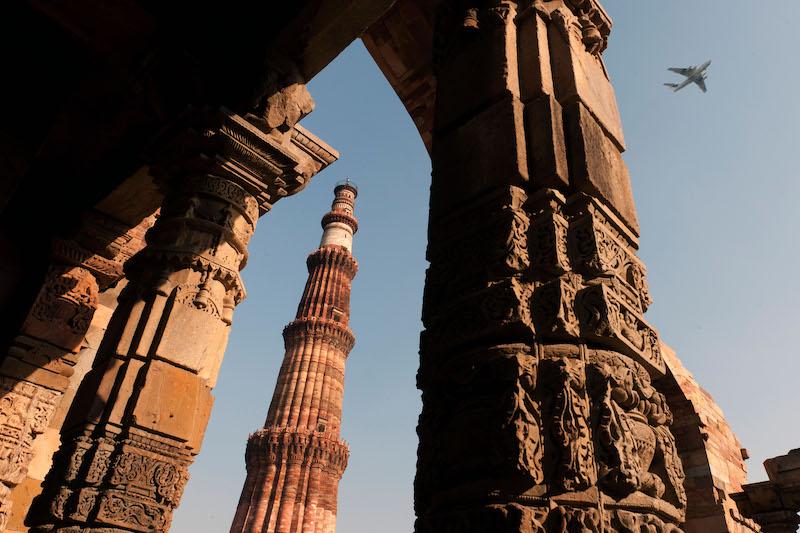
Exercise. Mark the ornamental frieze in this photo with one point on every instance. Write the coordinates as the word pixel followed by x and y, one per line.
pixel 501 308
pixel 278 445
pixel 599 245
pixel 606 318
pixel 547 241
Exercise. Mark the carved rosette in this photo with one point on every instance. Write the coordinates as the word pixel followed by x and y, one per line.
pixel 124 459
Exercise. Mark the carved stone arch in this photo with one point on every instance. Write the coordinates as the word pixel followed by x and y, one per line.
pixel 401 43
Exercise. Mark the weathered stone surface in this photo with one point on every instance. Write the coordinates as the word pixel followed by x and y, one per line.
pixel 40 363
pixel 596 165
pixel 496 137
pixel 538 415
pixel 287 107
pixel 194 339
pixel 408 68
pixel 174 402
pixel 477 51
pixel 539 375
pixel 575 36
pixel 546 143
pixel 533 56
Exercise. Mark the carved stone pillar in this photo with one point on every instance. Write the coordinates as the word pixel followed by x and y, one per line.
pixel 36 370
pixel 537 369
pixel 138 419
pixel 39 363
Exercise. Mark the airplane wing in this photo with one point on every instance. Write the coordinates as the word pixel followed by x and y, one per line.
pixel 701 82
pixel 682 71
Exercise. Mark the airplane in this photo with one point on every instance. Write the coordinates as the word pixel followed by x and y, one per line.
pixel 693 75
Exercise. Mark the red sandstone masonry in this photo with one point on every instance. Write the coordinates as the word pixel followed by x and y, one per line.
pixel 295 462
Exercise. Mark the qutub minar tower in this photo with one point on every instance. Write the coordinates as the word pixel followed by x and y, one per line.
pixel 295 462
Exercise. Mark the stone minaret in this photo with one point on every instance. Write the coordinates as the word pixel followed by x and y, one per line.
pixel 295 463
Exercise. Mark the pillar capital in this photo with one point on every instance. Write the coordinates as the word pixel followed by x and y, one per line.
pixel 265 162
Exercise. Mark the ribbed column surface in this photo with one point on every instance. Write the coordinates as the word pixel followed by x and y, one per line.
pixel 295 462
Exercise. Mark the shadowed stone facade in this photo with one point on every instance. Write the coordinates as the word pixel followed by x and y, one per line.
pixel 550 404
pixel 294 464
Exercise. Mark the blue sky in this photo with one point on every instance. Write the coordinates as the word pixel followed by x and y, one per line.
pixel 716 187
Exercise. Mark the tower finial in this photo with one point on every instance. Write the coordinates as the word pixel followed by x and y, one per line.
pixel 340 223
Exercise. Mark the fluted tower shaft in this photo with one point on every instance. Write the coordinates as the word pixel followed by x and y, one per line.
pixel 295 462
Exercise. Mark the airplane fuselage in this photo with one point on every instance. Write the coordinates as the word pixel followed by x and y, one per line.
pixel 696 75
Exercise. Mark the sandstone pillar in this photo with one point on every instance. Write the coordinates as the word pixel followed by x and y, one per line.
pixel 39 364
pixel 139 416
pixel 295 463
pixel 541 408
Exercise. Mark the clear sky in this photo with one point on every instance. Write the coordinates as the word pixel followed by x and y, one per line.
pixel 716 187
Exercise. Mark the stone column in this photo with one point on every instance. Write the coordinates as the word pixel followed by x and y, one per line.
pixel 39 364
pixel 541 409
pixel 139 416
pixel 295 462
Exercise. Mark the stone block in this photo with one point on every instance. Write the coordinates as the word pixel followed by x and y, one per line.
pixel 535 73
pixel 193 339
pixel 174 402
pixel 480 68
pixel 13 367
pixel 596 165
pixel 486 152
pixel 113 377
pixel 43 447
pixel 580 76
pixel 547 148
pixel 21 498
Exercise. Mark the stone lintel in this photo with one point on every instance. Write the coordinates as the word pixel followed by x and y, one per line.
pixel 315 147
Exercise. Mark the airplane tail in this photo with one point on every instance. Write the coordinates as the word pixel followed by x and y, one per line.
pixel 672 86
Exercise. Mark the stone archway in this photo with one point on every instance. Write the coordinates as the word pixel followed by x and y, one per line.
pixel 535 341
